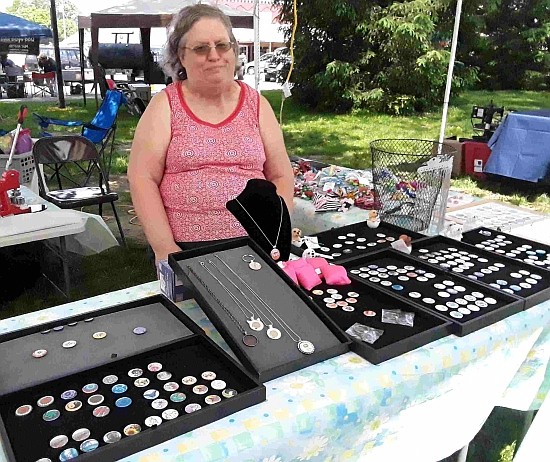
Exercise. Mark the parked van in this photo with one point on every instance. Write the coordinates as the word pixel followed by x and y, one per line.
pixel 70 58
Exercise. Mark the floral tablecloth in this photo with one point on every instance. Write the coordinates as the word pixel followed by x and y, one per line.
pixel 435 398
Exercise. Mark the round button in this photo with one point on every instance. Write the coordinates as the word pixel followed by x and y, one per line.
pixel 112 437
pixel 164 375
pixel 177 397
pixel 119 388
pixel 142 382
pixel 212 399
pixel 69 344
pixel 90 388
pixel 99 335
pixel 159 403
pixel 368 313
pixel 189 380
pixel 73 406
pixel 89 445
pixel 193 407
pixel 39 353
pixel 81 434
pixel 51 415
pixel 171 386
pixel 218 384
pixel 123 402
pixel 68 454
pixel 200 389
pixel 45 401
pixel 229 393
pixel 59 441
pixel 23 410
pixel 137 372
pixel 94 400
pixel 101 411
pixel 139 330
pixel 132 429
pixel 153 421
pixel 110 379
pixel 151 394
pixel 68 394
pixel 169 414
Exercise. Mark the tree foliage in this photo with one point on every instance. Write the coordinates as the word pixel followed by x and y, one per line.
pixel 39 11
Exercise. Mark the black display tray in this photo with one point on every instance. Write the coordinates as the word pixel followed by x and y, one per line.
pixel 372 243
pixel 487 268
pixel 171 336
pixel 396 339
pixel 504 305
pixel 270 358
pixel 511 246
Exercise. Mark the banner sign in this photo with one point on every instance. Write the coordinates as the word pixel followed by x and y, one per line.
pixel 20 45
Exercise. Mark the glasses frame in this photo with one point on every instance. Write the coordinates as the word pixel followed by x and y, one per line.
pixel 204 50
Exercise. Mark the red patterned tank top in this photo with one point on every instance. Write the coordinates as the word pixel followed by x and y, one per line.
pixel 208 165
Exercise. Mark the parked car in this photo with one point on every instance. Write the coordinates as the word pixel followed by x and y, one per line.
pixel 278 66
pixel 70 58
pixel 264 60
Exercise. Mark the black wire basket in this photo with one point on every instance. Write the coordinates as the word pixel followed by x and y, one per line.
pixel 408 177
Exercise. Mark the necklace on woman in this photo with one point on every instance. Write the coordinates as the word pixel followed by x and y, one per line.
pixel 275 253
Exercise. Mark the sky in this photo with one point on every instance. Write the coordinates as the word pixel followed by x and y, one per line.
pixel 84 6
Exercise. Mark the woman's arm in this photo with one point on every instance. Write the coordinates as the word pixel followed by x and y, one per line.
pixel 277 168
pixel 145 172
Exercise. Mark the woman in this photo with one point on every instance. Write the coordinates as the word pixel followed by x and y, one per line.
pixel 201 139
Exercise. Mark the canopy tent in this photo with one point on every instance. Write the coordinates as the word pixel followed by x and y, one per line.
pixel 143 14
pixel 15 27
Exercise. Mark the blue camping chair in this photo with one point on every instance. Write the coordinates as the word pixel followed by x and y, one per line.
pixel 100 131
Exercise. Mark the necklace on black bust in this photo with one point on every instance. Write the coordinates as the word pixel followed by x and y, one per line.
pixel 275 253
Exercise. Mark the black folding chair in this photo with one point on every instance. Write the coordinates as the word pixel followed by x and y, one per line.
pixel 79 161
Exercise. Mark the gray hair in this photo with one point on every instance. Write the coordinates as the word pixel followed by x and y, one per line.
pixel 181 23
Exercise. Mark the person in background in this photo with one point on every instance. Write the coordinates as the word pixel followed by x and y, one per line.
pixel 6 62
pixel 48 64
pixel 201 139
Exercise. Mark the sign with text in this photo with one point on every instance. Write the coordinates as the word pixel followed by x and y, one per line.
pixel 20 45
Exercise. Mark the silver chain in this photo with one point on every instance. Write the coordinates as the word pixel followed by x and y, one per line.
pixel 257 310
pixel 261 231
pixel 284 325
pixel 224 308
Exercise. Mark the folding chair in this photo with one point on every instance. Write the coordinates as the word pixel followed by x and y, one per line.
pixel 43 84
pixel 100 131
pixel 73 157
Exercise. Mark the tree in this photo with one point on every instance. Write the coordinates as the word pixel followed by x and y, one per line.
pixel 39 11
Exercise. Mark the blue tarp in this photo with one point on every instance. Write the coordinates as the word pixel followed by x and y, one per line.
pixel 14 27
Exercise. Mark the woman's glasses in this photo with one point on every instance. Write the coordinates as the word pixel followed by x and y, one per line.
pixel 203 50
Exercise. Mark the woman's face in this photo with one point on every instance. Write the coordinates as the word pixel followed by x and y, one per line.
pixel 202 60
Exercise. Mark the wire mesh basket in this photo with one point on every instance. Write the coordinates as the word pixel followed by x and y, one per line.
pixel 410 177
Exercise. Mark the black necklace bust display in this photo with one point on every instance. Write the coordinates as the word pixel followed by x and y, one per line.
pixel 264 216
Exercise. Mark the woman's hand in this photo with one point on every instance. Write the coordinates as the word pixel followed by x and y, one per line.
pixel 162 254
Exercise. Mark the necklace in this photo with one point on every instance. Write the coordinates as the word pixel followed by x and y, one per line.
pixel 248 339
pixel 275 253
pixel 304 346
pixel 255 324
pixel 272 332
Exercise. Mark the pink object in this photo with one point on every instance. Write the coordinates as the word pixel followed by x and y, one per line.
pixel 208 165
pixel 291 273
pixel 335 275
pixel 24 142
pixel 307 277
pixel 317 262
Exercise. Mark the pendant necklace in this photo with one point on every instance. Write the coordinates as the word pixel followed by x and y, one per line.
pixel 304 346
pixel 248 339
pixel 254 323
pixel 272 332
pixel 275 253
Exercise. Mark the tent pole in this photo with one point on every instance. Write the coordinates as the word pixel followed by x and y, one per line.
pixel 81 51
pixel 257 44
pixel 450 72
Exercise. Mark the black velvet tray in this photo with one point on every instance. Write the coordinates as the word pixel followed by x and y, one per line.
pixel 375 239
pixel 171 339
pixel 269 358
pixel 499 272
pixel 536 254
pixel 396 339
pixel 501 304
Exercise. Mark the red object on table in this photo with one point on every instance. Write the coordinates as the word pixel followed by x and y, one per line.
pixel 476 155
pixel 9 181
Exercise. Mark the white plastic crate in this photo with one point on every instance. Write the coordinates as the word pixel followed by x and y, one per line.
pixel 23 163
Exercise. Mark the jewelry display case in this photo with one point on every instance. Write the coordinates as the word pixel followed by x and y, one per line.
pixel 355 240
pixel 358 303
pixel 518 248
pixel 467 304
pixel 272 326
pixel 497 271
pixel 109 383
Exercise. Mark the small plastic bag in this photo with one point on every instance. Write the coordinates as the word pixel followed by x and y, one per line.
pixel 365 333
pixel 403 318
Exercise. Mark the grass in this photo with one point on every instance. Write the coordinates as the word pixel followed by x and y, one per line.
pixel 338 139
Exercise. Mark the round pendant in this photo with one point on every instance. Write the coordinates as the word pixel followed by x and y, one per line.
pixel 255 265
pixel 273 333
pixel 255 324
pixel 306 347
pixel 250 340
pixel 275 254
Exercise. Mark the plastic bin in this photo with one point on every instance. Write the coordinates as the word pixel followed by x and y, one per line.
pixel 411 180
pixel 23 163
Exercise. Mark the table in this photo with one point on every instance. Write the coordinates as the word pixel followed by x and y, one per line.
pixel 535 442
pixel 520 146
pixel 347 409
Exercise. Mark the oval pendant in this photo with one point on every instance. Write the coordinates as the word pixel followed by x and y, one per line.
pixel 273 333
pixel 255 324
pixel 306 347
pixel 275 254
pixel 255 265
pixel 250 340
